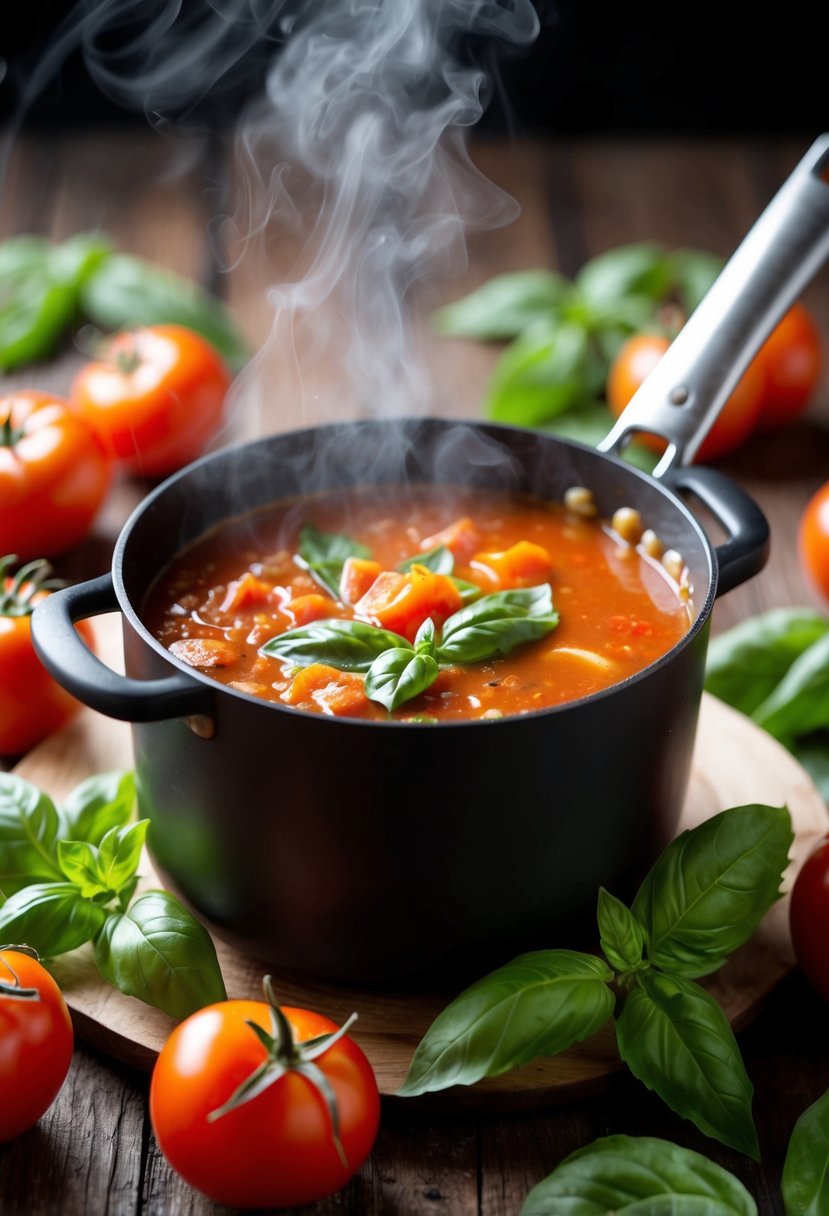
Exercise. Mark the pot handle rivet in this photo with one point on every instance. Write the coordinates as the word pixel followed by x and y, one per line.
pixel 201 725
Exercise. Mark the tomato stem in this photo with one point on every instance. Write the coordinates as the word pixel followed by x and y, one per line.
pixel 9 434
pixel 127 361
pixel 17 592
pixel 15 991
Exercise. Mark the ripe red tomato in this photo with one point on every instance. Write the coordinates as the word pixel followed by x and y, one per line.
pixel 809 918
pixel 813 539
pixel 36 1042
pixel 640 354
pixel 791 360
pixel 32 704
pixel 155 398
pixel 276 1149
pixel 54 475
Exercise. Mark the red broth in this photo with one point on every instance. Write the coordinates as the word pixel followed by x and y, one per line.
pixel 242 584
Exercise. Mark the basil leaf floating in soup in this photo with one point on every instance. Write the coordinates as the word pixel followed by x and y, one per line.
pixel 439 560
pixel 495 624
pixel 323 554
pixel 402 673
pixel 349 645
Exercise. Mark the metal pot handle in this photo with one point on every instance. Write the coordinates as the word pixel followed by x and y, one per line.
pixel 65 656
pixel 745 552
pixel 685 392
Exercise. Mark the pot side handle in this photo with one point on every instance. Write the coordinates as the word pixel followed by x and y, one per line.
pixel 745 552
pixel 66 656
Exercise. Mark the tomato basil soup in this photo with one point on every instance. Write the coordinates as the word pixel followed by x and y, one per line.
pixel 422 603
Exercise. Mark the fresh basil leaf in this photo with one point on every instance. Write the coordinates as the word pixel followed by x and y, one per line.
pixel 96 805
pixel 73 261
pixel 79 862
pixel 119 854
pixel 50 917
pixel 800 702
pixel 439 560
pixel 622 937
pixel 158 952
pixel 21 256
pixel 746 664
pixel 495 624
pixel 324 554
pixel 813 754
pixel 541 374
pixel 676 1039
pixel 638 1176
pixel 539 1004
pixel 124 291
pixel 590 425
pixel 468 591
pixel 694 273
pixel 503 306
pixel 805 1181
pixel 630 270
pixel 398 675
pixel 424 642
pixel 709 889
pixel 28 832
pixel 34 312
pixel 348 645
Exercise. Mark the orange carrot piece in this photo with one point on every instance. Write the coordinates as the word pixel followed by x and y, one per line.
pixel 357 576
pixel 462 538
pixel 245 591
pixel 339 693
pixel 402 602
pixel 523 565
pixel 205 652
pixel 311 607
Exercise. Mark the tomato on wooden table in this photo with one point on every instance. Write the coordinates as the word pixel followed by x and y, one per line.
pixel 36 1041
pixel 32 704
pixel 277 1114
pixel 54 475
pixel 155 398
pixel 791 360
pixel 809 918
pixel 813 539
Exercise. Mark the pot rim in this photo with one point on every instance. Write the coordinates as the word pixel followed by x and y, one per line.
pixel 130 612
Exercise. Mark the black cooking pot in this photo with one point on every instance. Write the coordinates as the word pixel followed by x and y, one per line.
pixel 367 851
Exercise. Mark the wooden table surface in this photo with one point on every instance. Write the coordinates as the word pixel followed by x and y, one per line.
pixel 159 196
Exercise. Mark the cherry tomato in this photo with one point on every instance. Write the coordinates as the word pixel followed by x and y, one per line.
pixel 155 398
pixel 278 1148
pixel 813 539
pixel 32 704
pixel 791 360
pixel 809 918
pixel 36 1041
pixel 54 475
pixel 639 356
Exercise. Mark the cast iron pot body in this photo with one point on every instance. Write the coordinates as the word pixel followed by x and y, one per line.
pixel 366 851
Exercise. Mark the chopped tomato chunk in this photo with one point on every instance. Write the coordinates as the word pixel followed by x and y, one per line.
pixel 341 693
pixel 244 591
pixel 205 652
pixel 357 576
pixel 311 607
pixel 524 565
pixel 402 602
pixel 462 538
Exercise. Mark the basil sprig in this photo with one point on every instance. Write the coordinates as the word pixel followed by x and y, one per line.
pixel 701 900
pixel 398 670
pixel 806 1169
pixel 68 877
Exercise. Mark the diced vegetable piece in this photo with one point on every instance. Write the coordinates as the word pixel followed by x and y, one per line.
pixel 357 576
pixel 205 652
pixel 244 591
pixel 402 602
pixel 311 607
pixel 461 537
pixel 524 565
pixel 340 693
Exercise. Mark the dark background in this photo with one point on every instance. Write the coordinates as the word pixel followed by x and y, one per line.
pixel 693 68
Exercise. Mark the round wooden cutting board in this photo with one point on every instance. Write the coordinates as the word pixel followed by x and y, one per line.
pixel 734 763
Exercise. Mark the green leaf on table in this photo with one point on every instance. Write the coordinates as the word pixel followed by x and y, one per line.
pixel 399 675
pixel 28 835
pixel 709 889
pixel 119 854
pixel 125 291
pixel 347 645
pixel 439 560
pixel 676 1039
pixel 79 863
pixel 638 1176
pixel 50 917
pixel 800 702
pixel 99 803
pixel 34 313
pixel 538 1004
pixel 812 752
pixel 158 952
pixel 694 273
pixel 324 554
pixel 504 306
pixel 74 260
pixel 540 375
pixel 495 624
pixel 21 256
pixel 590 425
pixel 746 663
pixel 629 270
pixel 622 938
pixel 805 1181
